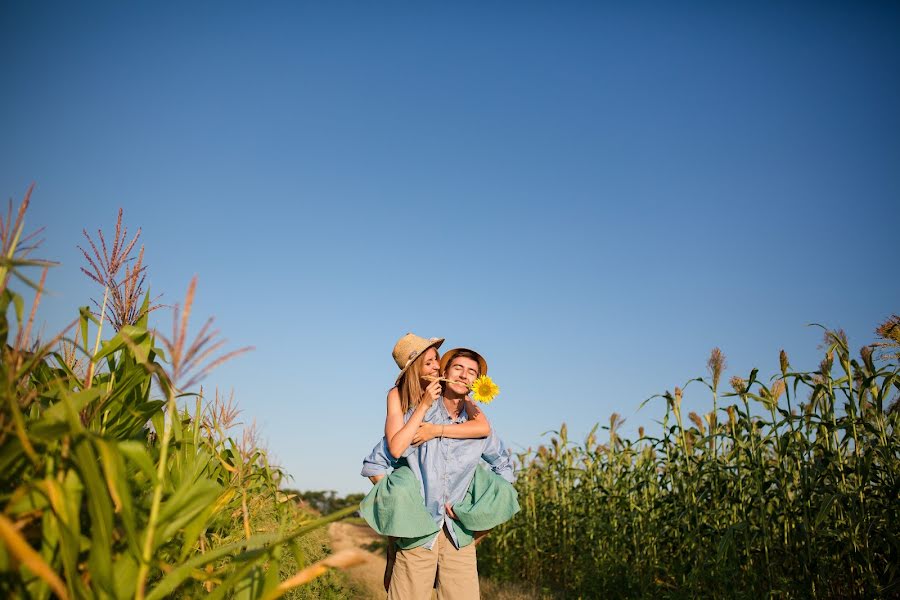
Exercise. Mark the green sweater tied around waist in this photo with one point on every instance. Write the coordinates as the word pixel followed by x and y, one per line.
pixel 394 507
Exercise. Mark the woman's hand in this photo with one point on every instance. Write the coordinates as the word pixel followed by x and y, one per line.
pixel 426 431
pixel 432 393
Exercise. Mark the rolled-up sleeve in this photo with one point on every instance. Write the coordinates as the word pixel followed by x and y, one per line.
pixel 379 461
pixel 498 456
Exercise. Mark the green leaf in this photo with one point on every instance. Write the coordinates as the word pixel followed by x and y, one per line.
pixel 84 317
pixel 824 510
pixel 77 401
pixel 10 454
pixel 188 501
pixel 101 515
pixel 117 484
pixel 173 580
pixel 273 571
pixel 194 529
pixel 229 586
pixel 125 569
pixel 138 453
pixel 144 320
pixel 128 336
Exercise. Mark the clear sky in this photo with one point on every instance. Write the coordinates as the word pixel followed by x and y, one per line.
pixel 591 194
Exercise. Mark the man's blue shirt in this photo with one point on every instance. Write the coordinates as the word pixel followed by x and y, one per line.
pixel 443 466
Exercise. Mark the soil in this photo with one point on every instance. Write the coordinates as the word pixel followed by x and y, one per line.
pixel 369 576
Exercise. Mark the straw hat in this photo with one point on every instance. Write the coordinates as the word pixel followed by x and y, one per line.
pixel 450 354
pixel 409 348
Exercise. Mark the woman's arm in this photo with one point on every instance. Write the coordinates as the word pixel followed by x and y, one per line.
pixel 398 434
pixel 477 426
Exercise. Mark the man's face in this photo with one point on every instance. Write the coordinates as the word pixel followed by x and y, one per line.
pixel 462 369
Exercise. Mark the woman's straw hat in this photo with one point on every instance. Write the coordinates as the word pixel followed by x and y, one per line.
pixel 409 348
pixel 448 356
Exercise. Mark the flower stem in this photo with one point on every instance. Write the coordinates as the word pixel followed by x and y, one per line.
pixel 147 552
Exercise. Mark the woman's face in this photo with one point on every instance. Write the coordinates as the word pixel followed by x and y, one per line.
pixel 431 364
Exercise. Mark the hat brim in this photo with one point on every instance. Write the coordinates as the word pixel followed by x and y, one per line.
pixel 449 354
pixel 435 344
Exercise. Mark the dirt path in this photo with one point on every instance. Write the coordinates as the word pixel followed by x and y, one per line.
pixel 369 575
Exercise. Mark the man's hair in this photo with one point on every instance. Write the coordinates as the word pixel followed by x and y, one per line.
pixel 466 354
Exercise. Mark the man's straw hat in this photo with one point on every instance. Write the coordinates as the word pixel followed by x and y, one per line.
pixel 409 348
pixel 450 354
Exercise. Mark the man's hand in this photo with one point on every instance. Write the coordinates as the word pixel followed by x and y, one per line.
pixel 431 393
pixel 426 431
pixel 450 511
pixel 376 478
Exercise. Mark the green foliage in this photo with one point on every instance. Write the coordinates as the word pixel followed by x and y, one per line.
pixel 107 488
pixel 751 500
pixel 326 501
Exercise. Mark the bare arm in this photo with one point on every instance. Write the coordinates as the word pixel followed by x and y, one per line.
pixel 398 434
pixel 477 426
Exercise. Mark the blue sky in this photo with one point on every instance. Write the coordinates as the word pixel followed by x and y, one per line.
pixel 593 195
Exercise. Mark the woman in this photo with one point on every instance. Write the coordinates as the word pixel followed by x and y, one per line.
pixel 417 387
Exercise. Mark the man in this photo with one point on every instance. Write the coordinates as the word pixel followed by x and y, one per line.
pixel 444 467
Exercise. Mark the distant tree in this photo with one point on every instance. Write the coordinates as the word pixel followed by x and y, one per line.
pixel 325 501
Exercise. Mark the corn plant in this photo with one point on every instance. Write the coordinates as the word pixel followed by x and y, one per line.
pixel 791 490
pixel 109 488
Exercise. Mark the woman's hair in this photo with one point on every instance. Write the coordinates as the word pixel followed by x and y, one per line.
pixel 410 386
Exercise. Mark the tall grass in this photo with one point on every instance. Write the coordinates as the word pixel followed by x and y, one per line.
pixel 117 478
pixel 791 490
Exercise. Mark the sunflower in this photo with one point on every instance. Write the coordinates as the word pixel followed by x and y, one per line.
pixel 484 389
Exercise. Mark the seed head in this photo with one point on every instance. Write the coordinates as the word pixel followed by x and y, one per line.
pixel 710 418
pixel 689 439
pixel 777 390
pixel 732 419
pixel 890 329
pixel 865 353
pixel 105 265
pixel 716 364
pixel 615 421
pixel 783 360
pixel 678 394
pixel 827 362
pixel 696 420
pixel 738 384
pixel 838 338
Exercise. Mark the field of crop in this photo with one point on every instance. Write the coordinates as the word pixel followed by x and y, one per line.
pixel 789 486
pixel 108 489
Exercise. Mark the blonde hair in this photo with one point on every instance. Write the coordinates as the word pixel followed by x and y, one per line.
pixel 410 386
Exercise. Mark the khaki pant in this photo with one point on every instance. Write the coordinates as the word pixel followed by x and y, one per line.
pixel 414 572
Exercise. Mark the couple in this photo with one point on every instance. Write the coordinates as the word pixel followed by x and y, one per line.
pixel 438 499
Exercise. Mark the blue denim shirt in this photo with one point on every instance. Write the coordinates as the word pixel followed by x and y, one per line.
pixel 443 466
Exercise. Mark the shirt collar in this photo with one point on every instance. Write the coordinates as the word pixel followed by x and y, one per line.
pixel 442 410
